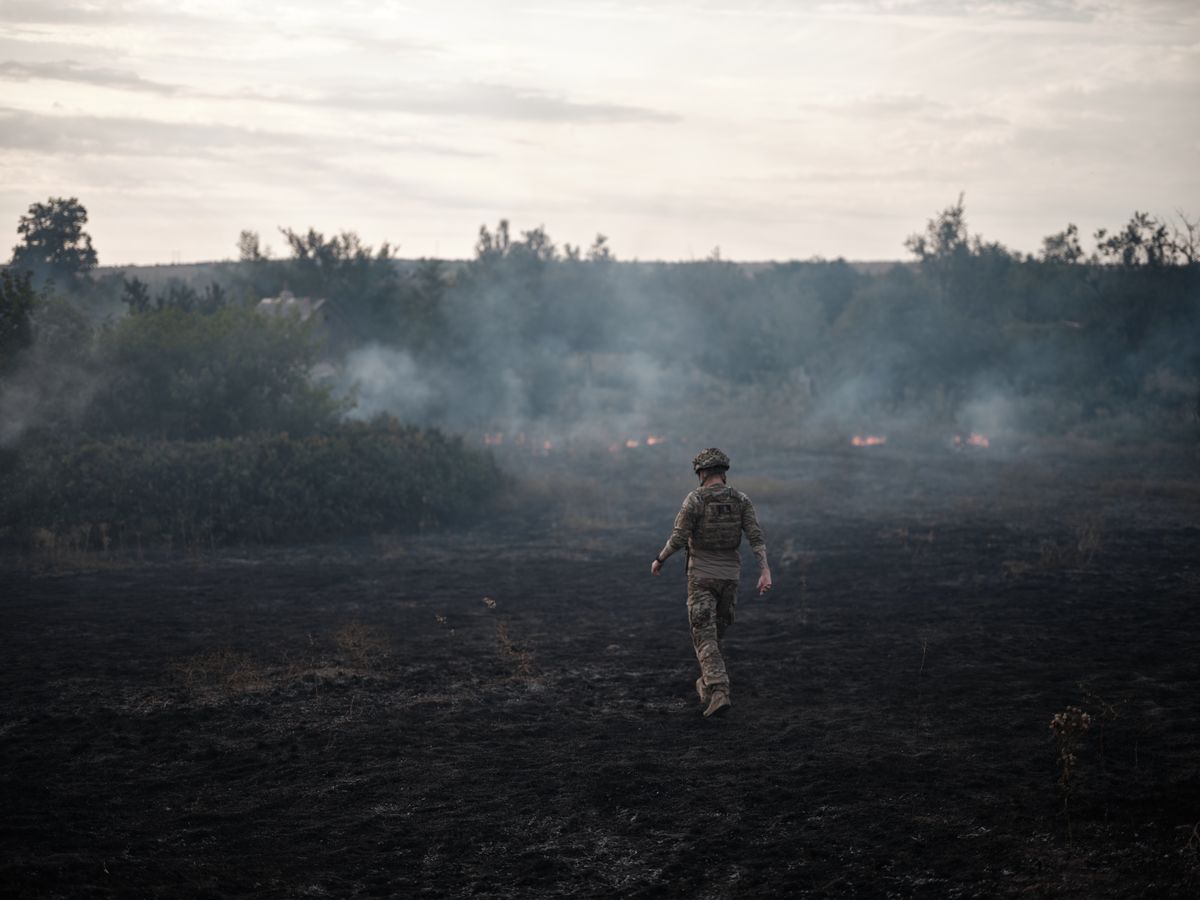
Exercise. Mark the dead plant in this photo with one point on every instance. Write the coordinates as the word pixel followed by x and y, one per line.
pixel 224 672
pixel 520 658
pixel 363 646
pixel 1193 842
pixel 1102 712
pixel 1088 540
pixel 1015 568
pixel 1077 553
pixel 1069 728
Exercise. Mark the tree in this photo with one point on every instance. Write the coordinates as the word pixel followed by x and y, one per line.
pixel 54 244
pixel 1185 239
pixel 600 251
pixel 181 374
pixel 342 264
pixel 1062 247
pixel 534 246
pixel 17 301
pixel 490 246
pixel 945 235
pixel 1144 241
pixel 136 295
pixel 178 295
pixel 943 248
pixel 251 249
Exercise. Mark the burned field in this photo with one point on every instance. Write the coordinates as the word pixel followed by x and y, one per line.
pixel 509 712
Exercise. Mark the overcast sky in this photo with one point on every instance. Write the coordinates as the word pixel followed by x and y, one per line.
pixel 775 130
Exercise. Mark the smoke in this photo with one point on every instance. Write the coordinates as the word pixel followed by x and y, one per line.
pixel 545 394
pixel 44 392
pixel 989 412
pixel 379 379
pixel 50 385
pixel 719 353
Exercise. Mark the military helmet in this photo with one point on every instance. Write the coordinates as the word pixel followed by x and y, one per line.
pixel 712 458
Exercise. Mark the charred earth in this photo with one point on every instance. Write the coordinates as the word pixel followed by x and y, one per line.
pixel 509 712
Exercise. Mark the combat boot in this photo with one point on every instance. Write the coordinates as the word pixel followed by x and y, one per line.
pixel 719 703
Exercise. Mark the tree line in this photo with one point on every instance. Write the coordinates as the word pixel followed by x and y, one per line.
pixel 534 332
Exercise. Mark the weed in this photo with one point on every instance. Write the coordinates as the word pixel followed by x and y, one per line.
pixel 1088 540
pixel 520 658
pixel 1015 568
pixel 223 671
pixel 1193 842
pixel 1077 553
pixel 1069 728
pixel 364 646
pixel 1102 713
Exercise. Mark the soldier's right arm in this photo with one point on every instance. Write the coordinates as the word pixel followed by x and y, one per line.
pixel 754 534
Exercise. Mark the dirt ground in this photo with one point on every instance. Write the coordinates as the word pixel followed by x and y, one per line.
pixel 509 712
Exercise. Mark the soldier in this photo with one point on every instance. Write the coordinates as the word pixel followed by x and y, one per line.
pixel 710 525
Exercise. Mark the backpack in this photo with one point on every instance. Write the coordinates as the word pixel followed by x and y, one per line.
pixel 720 525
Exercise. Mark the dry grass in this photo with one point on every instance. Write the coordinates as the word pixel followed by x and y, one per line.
pixel 518 657
pixel 784 491
pixel 1077 553
pixel 581 502
pixel 1015 568
pixel 77 549
pixel 223 672
pixel 391 546
pixel 1180 489
pixel 1069 728
pixel 363 646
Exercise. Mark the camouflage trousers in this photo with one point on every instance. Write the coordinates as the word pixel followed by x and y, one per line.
pixel 710 606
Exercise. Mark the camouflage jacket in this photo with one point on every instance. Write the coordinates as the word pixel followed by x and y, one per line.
pixel 710 524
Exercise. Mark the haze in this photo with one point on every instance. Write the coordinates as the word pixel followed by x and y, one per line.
pixel 773 130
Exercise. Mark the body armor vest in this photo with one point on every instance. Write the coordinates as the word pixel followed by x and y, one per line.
pixel 720 525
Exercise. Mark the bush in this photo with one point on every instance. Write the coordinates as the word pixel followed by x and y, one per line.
pixel 180 374
pixel 351 479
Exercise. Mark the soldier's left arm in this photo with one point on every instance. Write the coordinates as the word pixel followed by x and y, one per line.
pixel 685 524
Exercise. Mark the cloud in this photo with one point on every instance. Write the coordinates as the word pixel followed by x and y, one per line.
pixel 906 106
pixel 69 70
pixel 122 136
pixel 117 136
pixel 382 43
pixel 49 12
pixel 69 12
pixel 473 100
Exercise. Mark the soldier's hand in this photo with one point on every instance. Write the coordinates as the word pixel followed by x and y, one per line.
pixel 656 568
pixel 764 582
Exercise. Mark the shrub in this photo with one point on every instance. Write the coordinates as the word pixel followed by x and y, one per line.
pixel 351 479
pixel 180 374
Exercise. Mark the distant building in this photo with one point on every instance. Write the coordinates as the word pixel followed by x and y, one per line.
pixel 288 303
pixel 305 309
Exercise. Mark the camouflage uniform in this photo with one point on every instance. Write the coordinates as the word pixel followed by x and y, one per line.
pixel 710 524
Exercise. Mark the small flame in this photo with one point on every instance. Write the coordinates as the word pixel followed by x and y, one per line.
pixel 631 443
pixel 974 439
pixel 654 439
pixel 868 440
pixel 493 438
pixel 547 445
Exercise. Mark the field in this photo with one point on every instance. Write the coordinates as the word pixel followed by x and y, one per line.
pixel 508 712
